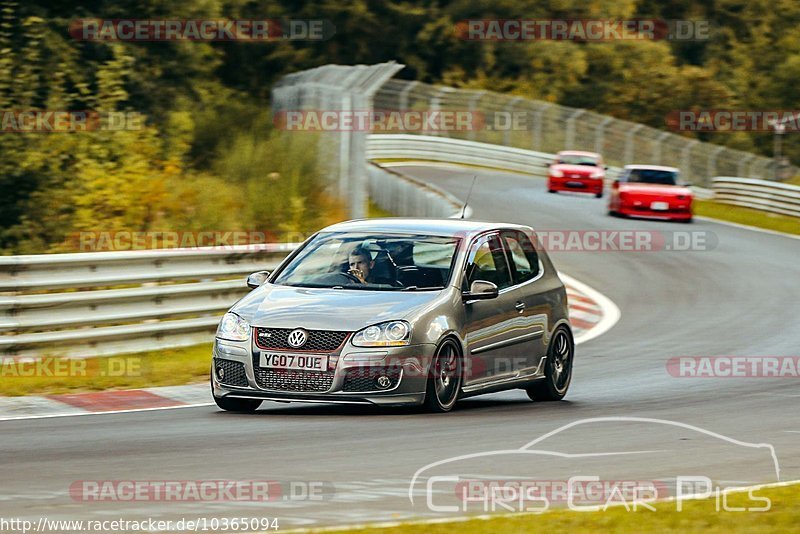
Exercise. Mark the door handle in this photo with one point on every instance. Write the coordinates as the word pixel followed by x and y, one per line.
pixel 520 306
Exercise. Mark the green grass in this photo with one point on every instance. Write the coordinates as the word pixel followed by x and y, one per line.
pixel 747 216
pixel 168 367
pixel 697 516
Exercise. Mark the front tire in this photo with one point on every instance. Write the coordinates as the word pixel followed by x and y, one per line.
pixel 444 382
pixel 237 405
pixel 558 369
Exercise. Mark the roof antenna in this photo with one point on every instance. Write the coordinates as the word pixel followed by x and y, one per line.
pixel 464 209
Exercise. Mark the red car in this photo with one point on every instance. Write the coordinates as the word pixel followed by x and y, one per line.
pixel 572 170
pixel 650 191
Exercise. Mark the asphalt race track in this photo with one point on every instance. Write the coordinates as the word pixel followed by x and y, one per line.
pixel 740 298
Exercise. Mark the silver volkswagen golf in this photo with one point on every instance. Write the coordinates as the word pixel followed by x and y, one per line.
pixel 398 312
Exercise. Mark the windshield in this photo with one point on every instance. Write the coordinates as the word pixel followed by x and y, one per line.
pixel 575 159
pixel 377 262
pixel 652 176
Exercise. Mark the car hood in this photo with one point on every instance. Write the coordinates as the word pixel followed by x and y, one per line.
pixel 655 189
pixel 576 169
pixel 330 309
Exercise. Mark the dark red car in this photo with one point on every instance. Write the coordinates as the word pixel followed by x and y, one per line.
pixel 651 191
pixel 573 170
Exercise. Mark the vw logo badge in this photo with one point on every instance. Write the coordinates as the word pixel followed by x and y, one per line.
pixel 298 338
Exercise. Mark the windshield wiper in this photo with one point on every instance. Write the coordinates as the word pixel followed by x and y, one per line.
pixel 415 288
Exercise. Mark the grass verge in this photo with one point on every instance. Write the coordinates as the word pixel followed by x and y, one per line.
pixel 747 216
pixel 168 367
pixel 697 516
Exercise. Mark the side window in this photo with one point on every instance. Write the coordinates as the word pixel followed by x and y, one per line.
pixel 486 261
pixel 524 260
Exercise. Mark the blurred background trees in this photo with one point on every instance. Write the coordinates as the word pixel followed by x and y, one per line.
pixel 208 157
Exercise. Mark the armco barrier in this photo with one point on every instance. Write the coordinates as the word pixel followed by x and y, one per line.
pixel 758 194
pixel 401 194
pixel 168 298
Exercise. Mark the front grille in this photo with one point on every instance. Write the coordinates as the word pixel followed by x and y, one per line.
pixel 232 372
pixel 318 340
pixel 366 379
pixel 291 380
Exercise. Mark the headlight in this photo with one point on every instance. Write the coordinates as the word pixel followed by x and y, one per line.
pixel 391 334
pixel 233 328
pixel 555 173
pixel 597 174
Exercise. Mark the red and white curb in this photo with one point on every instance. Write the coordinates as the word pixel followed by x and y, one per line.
pixel 591 315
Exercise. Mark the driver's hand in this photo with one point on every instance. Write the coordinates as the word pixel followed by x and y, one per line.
pixel 358 274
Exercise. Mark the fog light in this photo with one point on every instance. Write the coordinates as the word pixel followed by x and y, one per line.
pixel 384 382
pixel 220 373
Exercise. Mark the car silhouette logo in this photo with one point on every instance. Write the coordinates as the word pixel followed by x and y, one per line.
pixel 297 338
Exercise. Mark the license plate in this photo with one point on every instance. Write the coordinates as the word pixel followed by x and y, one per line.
pixel 659 206
pixel 575 184
pixel 302 362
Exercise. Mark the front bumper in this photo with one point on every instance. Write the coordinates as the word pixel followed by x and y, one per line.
pixel 581 185
pixel 380 375
pixel 677 213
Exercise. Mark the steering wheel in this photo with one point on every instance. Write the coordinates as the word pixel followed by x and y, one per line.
pixel 351 277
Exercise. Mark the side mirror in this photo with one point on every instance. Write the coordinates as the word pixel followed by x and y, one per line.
pixel 480 290
pixel 257 278
pixel 605 167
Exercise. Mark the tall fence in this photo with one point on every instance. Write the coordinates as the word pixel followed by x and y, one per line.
pixel 340 153
pixel 545 127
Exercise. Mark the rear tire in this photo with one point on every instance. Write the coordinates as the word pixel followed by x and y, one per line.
pixel 598 195
pixel 444 380
pixel 557 370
